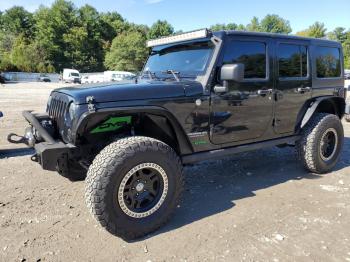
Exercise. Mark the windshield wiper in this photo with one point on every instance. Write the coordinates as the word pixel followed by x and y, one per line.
pixel 174 73
pixel 151 75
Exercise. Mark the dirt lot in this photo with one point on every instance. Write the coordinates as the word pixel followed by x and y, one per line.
pixel 259 206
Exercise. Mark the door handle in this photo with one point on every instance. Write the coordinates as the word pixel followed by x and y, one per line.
pixel 220 89
pixel 264 92
pixel 302 90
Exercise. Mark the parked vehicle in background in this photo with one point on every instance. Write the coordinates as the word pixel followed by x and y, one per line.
pixel 111 76
pixel 44 78
pixel 85 80
pixel 347 74
pixel 71 76
pixel 203 95
pixel 347 87
pixel 96 78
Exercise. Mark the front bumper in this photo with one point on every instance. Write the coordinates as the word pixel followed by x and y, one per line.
pixel 53 157
pixel 50 153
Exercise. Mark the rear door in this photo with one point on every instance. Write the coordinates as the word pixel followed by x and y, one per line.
pixel 293 82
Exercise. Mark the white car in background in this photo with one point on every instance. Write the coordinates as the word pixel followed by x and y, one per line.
pixel 111 76
pixel 97 78
pixel 347 74
pixel 85 80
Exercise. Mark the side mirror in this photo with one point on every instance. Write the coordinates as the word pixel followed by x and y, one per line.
pixel 232 72
pixel 229 72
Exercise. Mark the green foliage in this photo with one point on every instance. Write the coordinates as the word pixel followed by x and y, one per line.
pixel 254 25
pixel 230 26
pixel 270 23
pixel 317 30
pixel 17 20
pixel 338 34
pixel 64 36
pixel 160 29
pixel 128 52
pixel 275 24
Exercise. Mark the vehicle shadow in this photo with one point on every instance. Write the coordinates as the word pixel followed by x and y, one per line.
pixel 16 152
pixel 213 187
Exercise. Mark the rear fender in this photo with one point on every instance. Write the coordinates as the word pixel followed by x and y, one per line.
pixel 328 104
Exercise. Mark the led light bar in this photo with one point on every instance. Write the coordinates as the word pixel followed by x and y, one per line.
pixel 179 38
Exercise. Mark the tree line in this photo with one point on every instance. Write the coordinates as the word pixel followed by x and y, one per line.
pixel 64 36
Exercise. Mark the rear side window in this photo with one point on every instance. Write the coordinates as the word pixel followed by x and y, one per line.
pixel 328 62
pixel 292 60
pixel 251 54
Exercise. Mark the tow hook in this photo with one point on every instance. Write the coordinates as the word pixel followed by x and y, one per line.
pixel 18 139
pixel 28 138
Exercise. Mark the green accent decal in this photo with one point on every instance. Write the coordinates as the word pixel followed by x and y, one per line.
pixel 200 142
pixel 112 124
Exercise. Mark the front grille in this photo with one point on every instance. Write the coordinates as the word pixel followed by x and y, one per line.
pixel 57 108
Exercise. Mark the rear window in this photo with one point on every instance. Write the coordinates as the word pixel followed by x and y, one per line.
pixel 251 54
pixel 328 62
pixel 292 60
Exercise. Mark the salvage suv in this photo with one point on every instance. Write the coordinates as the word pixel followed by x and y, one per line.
pixel 201 95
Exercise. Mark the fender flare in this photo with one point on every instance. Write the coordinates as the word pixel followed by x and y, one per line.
pixel 315 103
pixel 184 144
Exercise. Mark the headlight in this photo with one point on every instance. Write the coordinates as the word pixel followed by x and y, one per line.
pixel 71 110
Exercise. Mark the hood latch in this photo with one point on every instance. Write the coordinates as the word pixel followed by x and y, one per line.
pixel 91 104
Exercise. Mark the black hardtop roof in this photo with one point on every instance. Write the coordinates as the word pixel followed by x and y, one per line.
pixel 221 34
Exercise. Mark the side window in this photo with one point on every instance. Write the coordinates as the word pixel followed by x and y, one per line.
pixel 292 60
pixel 328 62
pixel 251 54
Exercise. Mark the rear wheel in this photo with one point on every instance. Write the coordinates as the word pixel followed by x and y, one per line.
pixel 321 142
pixel 133 186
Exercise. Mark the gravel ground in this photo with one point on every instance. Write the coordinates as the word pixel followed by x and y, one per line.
pixel 257 206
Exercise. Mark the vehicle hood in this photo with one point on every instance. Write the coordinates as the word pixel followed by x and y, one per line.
pixel 121 92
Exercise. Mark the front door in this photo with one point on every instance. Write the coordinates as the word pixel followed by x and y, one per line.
pixel 245 112
pixel 293 83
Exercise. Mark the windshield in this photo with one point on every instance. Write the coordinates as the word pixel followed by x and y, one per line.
pixel 74 74
pixel 187 59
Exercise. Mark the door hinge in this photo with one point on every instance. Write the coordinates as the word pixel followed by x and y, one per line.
pixel 91 104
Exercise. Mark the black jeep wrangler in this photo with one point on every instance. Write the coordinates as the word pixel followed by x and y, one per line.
pixel 201 95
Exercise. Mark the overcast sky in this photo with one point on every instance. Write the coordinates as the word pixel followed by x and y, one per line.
pixel 193 14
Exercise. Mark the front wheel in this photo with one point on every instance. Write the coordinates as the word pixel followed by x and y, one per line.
pixel 320 145
pixel 133 186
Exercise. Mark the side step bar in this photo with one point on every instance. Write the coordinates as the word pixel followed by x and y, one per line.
pixel 220 153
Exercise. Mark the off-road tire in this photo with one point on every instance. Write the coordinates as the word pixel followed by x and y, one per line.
pixel 107 172
pixel 308 147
